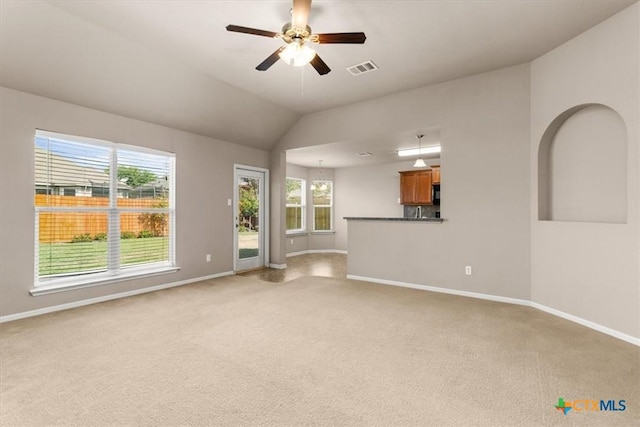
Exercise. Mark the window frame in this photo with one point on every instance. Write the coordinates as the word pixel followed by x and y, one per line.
pixel 316 183
pixel 302 205
pixel 114 271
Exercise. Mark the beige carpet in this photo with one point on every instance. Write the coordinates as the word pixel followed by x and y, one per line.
pixel 313 351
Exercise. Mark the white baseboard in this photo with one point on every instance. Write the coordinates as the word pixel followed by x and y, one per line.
pixel 317 251
pixel 278 266
pixel 25 314
pixel 589 324
pixel 441 290
pixel 296 253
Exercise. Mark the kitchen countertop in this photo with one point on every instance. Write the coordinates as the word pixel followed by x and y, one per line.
pixel 366 218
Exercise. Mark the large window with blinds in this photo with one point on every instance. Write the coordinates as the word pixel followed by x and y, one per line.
pixel 104 211
pixel 322 194
pixel 295 205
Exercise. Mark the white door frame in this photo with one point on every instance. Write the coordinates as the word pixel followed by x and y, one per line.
pixel 264 211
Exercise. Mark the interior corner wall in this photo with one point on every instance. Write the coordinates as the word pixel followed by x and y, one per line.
pixel 204 183
pixel 277 202
pixel 587 269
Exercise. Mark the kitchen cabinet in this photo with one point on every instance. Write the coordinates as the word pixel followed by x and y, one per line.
pixel 435 174
pixel 415 187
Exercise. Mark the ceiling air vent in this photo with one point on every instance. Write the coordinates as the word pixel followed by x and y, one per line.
pixel 365 67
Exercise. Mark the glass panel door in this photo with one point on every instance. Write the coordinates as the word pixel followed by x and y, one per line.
pixel 249 219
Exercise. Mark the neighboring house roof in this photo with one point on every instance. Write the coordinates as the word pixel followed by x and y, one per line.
pixel 53 170
pixel 58 171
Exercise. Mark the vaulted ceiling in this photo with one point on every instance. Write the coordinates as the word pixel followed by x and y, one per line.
pixel 173 63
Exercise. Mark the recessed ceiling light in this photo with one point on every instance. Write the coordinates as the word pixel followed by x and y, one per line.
pixel 416 152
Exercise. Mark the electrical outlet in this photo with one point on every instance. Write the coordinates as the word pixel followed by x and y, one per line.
pixel 292 241
pixel 228 202
pixel 208 257
pixel 468 270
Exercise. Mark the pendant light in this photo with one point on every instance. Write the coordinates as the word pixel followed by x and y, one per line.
pixel 323 185
pixel 419 163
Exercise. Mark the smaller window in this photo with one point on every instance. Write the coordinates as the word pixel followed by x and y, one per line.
pixel 322 194
pixel 295 204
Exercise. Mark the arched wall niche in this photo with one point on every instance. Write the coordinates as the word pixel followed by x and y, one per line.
pixel 582 166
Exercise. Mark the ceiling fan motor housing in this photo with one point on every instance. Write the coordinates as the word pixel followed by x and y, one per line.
pixel 291 33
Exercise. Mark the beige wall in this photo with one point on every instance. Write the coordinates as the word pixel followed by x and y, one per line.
pixel 484 122
pixel 277 176
pixel 580 185
pixel 204 169
pixel 588 269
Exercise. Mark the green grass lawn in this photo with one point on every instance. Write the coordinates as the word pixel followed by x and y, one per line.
pixel 59 258
pixel 247 244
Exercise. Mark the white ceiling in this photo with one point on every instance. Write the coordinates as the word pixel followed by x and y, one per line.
pixel 190 73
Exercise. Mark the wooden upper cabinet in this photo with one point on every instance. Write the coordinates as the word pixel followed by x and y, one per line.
pixel 415 187
pixel 435 174
pixel 407 188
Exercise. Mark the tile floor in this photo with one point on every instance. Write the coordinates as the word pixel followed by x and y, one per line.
pixel 322 264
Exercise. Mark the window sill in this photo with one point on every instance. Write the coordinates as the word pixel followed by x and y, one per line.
pixel 69 284
pixel 297 233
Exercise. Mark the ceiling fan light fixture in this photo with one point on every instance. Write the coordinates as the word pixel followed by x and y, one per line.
pixel 297 54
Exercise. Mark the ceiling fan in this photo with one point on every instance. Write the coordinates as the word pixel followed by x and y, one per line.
pixel 297 34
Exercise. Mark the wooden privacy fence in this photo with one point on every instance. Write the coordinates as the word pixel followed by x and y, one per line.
pixel 55 227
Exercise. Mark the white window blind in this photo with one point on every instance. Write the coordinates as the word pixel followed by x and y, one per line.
pixel 103 210
pixel 295 204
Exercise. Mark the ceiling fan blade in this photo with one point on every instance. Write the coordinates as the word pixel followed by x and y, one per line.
pixel 272 59
pixel 321 67
pixel 247 30
pixel 354 38
pixel 300 14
